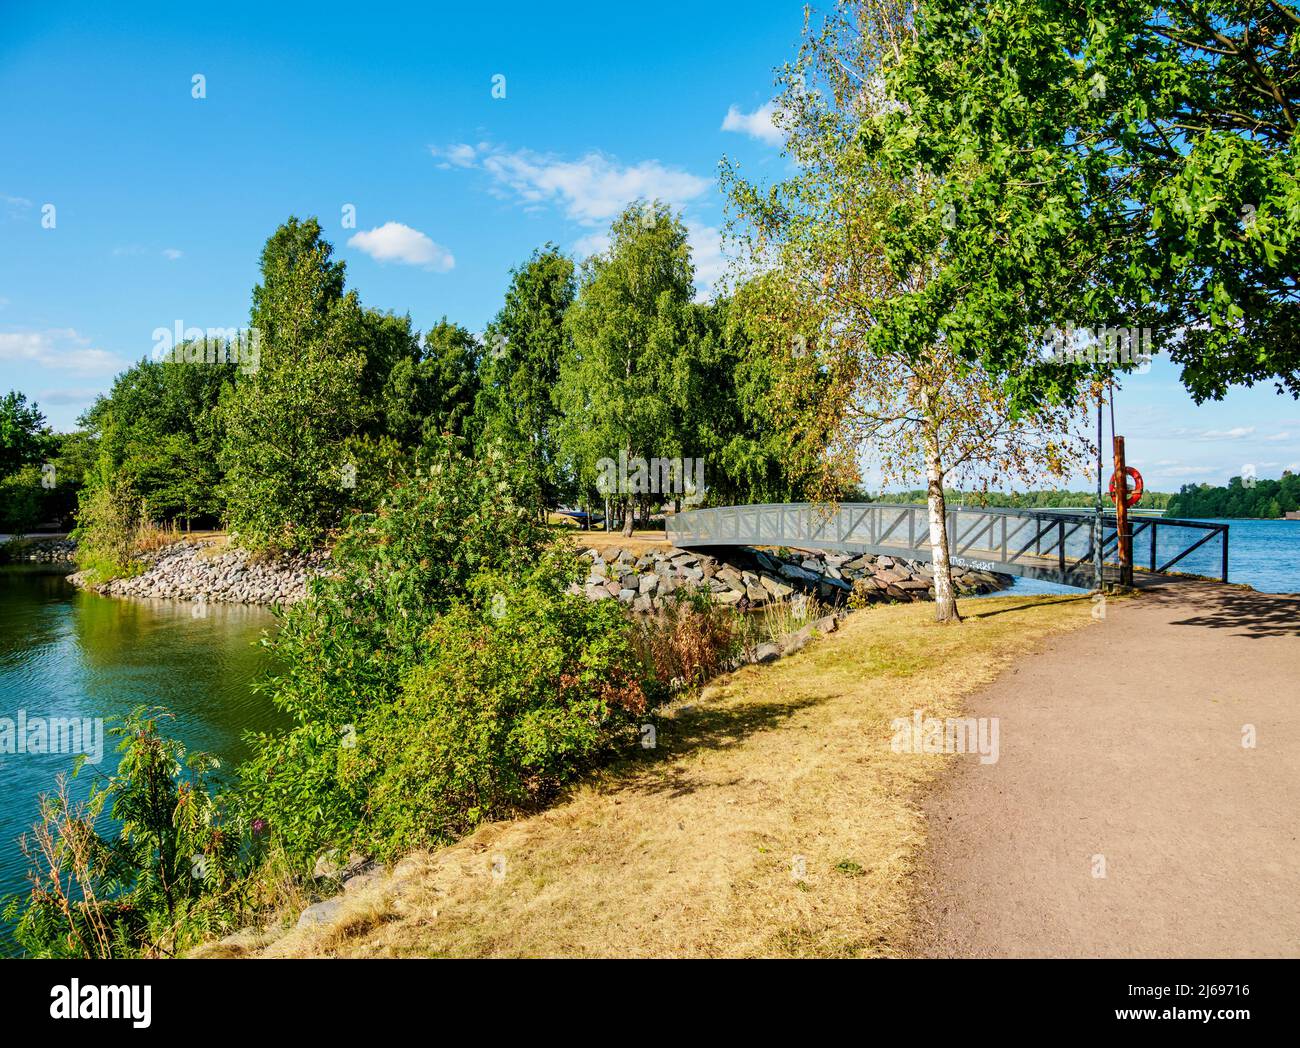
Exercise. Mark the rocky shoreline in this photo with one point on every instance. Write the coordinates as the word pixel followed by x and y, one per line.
pixel 41 551
pixel 751 578
pixel 747 579
pixel 204 572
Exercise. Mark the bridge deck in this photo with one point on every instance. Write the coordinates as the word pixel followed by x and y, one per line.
pixel 1054 545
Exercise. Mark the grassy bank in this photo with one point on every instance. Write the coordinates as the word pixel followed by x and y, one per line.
pixel 691 849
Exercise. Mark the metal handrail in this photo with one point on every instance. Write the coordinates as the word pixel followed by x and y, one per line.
pixel 982 537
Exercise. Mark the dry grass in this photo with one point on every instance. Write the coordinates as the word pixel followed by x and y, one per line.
pixel 640 542
pixel 150 536
pixel 690 850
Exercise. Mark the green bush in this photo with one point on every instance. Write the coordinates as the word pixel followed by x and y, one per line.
pixel 168 876
pixel 522 687
pixel 349 647
pixel 108 523
pixel 21 500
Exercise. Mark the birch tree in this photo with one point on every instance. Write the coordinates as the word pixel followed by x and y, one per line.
pixel 861 309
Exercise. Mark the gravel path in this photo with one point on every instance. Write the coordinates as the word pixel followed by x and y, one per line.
pixel 1200 835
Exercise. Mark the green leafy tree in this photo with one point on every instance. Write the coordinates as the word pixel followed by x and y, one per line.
pixel 158 434
pixel 521 368
pixel 1126 162
pixel 860 296
pixel 628 324
pixel 433 394
pixel 23 437
pixel 289 451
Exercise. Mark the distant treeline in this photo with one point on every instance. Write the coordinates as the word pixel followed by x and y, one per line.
pixel 1019 500
pixel 1248 497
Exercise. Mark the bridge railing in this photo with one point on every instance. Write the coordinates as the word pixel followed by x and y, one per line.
pixel 1056 545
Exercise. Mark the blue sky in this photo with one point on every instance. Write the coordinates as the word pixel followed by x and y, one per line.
pixel 162 201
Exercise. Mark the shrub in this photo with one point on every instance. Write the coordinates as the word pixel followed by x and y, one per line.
pixel 522 688
pixel 690 640
pixel 347 649
pixel 108 523
pixel 167 877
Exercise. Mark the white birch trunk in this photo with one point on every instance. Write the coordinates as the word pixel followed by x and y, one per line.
pixel 945 593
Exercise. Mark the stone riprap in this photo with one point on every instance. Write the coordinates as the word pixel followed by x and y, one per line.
pixel 752 578
pixel 41 551
pixel 195 571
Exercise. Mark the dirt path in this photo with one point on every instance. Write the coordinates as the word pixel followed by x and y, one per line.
pixel 1200 835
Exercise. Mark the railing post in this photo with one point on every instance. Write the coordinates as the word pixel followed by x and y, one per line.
pixel 1225 553
pixel 1060 543
pixel 1154 526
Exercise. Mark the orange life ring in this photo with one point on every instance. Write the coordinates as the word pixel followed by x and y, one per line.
pixel 1134 494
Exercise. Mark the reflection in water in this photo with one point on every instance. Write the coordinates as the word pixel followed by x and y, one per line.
pixel 64 653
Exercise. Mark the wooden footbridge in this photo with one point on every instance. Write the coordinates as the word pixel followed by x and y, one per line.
pixel 1053 545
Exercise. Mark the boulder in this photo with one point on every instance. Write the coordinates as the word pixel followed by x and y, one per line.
pixel 319 913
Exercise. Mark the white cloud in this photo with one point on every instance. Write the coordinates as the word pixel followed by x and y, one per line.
pixel 172 253
pixel 706 253
pixel 1279 436
pixel 17 207
pixel 757 124
pixel 591 244
pixel 59 349
pixel 394 242
pixel 460 155
pixel 1236 433
pixel 590 190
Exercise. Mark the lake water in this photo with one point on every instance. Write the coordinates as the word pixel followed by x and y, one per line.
pixel 1264 554
pixel 65 653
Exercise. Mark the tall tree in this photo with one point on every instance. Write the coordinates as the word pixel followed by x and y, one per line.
pixel 859 286
pixel 1136 167
pixel 158 434
pixel 521 368
pixel 23 436
pixel 433 393
pixel 630 319
pixel 725 385
pixel 290 445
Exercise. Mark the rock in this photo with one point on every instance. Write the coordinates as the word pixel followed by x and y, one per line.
pixel 778 589
pixel 648 584
pixel 826 624
pixel 627 595
pixel 756 593
pixel 793 571
pixel 319 913
pixel 765 653
pixel 363 878
pixel 796 641
pixel 728 596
